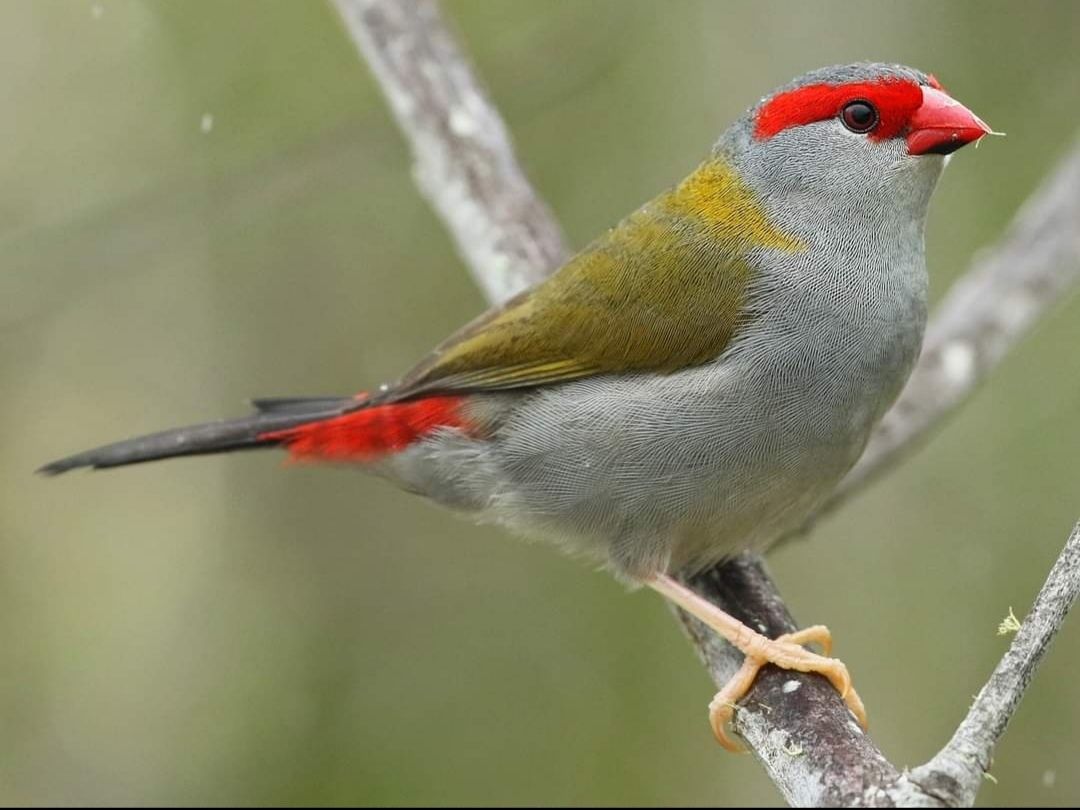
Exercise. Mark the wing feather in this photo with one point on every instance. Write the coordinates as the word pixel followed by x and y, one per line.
pixel 663 290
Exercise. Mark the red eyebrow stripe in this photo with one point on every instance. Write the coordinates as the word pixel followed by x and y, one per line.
pixel 895 99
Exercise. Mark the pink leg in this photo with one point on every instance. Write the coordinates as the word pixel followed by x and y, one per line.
pixel 785 652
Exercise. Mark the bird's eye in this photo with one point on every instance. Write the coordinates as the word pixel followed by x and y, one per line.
pixel 859 116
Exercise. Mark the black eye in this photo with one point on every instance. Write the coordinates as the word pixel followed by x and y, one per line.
pixel 859 116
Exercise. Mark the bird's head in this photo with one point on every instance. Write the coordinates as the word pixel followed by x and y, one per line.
pixel 864 134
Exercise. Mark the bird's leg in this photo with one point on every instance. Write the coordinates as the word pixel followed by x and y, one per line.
pixel 785 652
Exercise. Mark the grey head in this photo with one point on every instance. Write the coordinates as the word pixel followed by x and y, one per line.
pixel 850 139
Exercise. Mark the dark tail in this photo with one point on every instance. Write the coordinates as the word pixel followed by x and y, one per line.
pixel 214 437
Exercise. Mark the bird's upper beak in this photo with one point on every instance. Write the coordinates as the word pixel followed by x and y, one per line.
pixel 941 125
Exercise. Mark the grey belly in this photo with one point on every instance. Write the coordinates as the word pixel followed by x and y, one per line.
pixel 678 471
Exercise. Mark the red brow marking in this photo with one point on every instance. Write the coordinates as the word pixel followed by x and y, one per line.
pixel 366 434
pixel 895 100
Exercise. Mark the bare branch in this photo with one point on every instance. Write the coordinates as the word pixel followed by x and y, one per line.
pixel 796 724
pixel 957 772
pixel 464 161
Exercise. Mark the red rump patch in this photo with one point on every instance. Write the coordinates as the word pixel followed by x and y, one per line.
pixel 368 433
pixel 895 99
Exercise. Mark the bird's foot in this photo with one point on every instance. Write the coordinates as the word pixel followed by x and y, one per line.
pixel 785 652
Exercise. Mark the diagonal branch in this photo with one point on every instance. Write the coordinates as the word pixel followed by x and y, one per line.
pixel 795 724
pixel 957 772
pixel 463 160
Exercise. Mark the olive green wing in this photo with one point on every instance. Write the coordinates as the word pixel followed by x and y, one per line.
pixel 663 290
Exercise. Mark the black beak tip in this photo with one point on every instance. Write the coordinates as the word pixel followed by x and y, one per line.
pixel 946 148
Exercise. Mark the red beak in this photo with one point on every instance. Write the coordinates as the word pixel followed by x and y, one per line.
pixel 942 125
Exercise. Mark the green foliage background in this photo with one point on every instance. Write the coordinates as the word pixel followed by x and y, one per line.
pixel 229 631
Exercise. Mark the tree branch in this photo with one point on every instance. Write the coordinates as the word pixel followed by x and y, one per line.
pixel 463 159
pixel 796 724
pixel 957 772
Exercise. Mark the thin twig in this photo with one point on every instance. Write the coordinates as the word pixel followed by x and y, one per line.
pixel 957 772
pixel 796 724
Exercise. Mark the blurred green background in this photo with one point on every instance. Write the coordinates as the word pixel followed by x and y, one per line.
pixel 204 201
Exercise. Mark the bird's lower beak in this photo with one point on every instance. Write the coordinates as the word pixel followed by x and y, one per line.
pixel 941 125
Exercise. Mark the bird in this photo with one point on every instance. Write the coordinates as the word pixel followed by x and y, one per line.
pixel 694 382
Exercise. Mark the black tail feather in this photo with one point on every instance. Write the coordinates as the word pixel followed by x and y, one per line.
pixel 298 404
pixel 213 437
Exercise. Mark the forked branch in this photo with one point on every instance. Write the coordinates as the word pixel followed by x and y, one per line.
pixel 812 750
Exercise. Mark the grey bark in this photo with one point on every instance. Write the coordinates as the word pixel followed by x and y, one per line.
pixel 463 160
pixel 795 724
